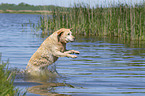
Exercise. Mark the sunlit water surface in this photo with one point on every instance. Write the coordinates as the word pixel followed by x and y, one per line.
pixel 104 67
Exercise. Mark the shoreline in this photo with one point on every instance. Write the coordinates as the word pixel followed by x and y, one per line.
pixel 27 11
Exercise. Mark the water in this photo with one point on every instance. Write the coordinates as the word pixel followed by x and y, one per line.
pixel 104 67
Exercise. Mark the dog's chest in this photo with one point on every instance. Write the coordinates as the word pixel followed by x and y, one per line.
pixel 62 48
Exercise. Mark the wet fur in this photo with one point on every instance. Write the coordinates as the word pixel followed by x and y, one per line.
pixel 49 51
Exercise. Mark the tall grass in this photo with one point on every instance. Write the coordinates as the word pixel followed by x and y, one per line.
pixel 6 81
pixel 123 21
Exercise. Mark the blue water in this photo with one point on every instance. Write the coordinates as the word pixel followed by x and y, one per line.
pixel 105 66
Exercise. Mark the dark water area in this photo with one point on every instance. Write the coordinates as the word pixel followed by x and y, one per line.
pixel 105 66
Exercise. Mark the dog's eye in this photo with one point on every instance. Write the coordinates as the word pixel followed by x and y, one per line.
pixel 68 34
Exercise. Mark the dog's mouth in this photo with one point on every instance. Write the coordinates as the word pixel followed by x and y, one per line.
pixel 72 40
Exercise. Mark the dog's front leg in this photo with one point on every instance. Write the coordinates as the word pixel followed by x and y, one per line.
pixel 72 51
pixel 65 54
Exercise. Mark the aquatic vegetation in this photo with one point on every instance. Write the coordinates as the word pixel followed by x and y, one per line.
pixel 6 81
pixel 122 21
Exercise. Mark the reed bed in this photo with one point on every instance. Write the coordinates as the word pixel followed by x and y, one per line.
pixel 123 21
pixel 6 81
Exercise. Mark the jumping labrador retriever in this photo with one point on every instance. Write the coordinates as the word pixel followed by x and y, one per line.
pixel 49 51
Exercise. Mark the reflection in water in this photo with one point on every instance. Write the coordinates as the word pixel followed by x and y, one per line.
pixel 43 84
pixel 105 66
pixel 46 89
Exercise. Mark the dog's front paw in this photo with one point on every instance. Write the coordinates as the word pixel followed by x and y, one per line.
pixel 77 52
pixel 73 56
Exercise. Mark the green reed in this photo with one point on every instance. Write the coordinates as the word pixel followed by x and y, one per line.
pixel 6 81
pixel 123 21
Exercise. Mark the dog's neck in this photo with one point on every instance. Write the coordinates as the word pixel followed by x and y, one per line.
pixel 62 44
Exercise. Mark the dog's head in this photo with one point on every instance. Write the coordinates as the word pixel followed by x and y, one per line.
pixel 65 35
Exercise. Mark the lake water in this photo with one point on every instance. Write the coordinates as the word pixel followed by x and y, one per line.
pixel 104 67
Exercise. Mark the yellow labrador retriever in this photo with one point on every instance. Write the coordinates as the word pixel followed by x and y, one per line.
pixel 49 51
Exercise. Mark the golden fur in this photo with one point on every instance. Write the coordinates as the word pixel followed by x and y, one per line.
pixel 49 51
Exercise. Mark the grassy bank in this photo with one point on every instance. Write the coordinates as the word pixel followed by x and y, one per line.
pixel 27 11
pixel 23 8
pixel 6 81
pixel 122 21
pixel 26 8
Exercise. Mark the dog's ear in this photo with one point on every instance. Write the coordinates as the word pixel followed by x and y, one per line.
pixel 59 33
